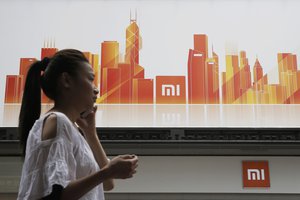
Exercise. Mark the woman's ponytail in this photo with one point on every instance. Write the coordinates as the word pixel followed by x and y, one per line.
pixel 44 75
pixel 31 101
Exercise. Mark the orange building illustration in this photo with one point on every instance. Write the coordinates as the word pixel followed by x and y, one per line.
pixel 110 72
pixel 257 93
pixel 170 90
pixel 289 76
pixel 231 80
pixel 196 70
pixel 212 95
pixel 94 62
pixel 196 75
pixel 203 73
pixel 13 90
pixel 124 82
pixel 15 83
pixel 126 74
pixel 237 87
pixel 245 83
pixel 141 88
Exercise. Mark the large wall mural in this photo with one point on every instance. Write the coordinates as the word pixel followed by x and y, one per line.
pixel 185 53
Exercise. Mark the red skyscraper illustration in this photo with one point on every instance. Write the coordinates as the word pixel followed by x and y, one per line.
pixel 15 83
pixel 13 90
pixel 196 70
pixel 203 73
pixel 142 91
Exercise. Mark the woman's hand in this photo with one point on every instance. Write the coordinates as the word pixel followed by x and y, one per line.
pixel 122 167
pixel 87 122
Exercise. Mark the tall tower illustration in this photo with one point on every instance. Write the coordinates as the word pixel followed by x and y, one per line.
pixel 196 70
pixel 110 73
pixel 203 73
pixel 124 82
pixel 257 75
pixel 132 42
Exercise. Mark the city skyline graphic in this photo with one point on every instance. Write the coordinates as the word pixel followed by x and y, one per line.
pixel 121 78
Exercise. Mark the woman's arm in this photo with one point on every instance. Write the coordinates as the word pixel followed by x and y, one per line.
pixel 120 167
pixel 100 156
pixel 78 188
pixel 87 126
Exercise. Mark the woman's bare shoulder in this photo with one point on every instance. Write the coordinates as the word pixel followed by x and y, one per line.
pixel 49 130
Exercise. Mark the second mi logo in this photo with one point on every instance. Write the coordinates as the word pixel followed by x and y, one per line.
pixel 256 174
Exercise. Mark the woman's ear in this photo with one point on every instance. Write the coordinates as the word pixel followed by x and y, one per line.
pixel 66 80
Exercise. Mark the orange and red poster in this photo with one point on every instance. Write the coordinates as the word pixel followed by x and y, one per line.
pixel 200 53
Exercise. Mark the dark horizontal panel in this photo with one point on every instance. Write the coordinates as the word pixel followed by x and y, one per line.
pixel 184 134
pixel 183 141
pixel 148 148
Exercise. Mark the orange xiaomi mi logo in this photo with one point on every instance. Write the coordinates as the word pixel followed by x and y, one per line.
pixel 170 90
pixel 256 174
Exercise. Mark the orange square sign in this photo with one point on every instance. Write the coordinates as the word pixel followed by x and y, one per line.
pixel 170 90
pixel 256 174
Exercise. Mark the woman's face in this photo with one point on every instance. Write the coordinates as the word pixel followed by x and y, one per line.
pixel 84 91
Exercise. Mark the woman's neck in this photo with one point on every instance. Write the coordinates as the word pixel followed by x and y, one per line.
pixel 71 113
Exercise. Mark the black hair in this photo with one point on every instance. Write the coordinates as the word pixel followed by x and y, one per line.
pixel 44 74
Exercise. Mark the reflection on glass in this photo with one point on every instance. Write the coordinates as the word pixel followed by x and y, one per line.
pixel 180 115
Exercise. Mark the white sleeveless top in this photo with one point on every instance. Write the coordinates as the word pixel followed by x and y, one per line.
pixel 59 160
